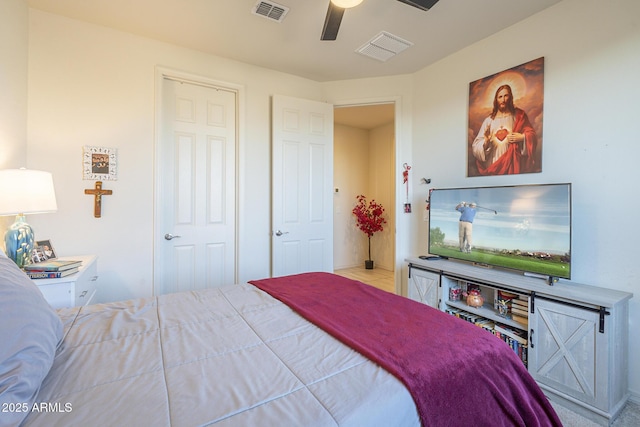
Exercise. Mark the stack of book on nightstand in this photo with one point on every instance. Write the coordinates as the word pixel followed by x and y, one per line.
pixel 52 269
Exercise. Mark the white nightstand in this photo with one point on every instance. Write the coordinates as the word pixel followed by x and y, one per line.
pixel 77 289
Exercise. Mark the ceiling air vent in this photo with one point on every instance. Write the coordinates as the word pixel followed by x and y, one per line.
pixel 384 46
pixel 270 10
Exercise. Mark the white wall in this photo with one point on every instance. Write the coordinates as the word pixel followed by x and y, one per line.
pixel 89 85
pixel 382 178
pixel 13 83
pixel 592 63
pixel 14 31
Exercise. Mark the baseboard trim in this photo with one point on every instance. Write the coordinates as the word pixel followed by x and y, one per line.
pixel 587 411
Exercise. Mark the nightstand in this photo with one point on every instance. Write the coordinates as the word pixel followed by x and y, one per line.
pixel 74 290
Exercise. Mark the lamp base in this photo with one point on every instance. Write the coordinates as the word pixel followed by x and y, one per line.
pixel 19 241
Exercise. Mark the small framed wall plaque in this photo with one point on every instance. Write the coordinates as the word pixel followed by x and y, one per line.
pixel 100 163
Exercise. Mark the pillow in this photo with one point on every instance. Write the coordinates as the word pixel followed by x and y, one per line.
pixel 30 331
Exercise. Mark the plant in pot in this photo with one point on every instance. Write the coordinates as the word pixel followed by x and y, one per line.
pixel 369 220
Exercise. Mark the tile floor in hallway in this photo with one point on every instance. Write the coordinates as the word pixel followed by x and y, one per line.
pixel 378 277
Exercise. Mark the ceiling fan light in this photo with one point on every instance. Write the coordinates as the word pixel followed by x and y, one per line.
pixel 346 4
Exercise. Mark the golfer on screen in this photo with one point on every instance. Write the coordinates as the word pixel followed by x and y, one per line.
pixel 467 214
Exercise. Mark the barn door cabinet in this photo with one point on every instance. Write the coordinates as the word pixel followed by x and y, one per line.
pixel 575 336
pixel 424 287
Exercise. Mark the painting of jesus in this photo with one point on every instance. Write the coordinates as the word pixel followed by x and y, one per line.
pixel 505 122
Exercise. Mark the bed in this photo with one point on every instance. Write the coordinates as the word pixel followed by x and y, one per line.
pixel 306 350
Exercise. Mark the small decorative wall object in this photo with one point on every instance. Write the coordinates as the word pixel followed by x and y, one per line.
pixel 428 201
pixel 100 163
pixel 97 194
pixel 505 121
pixel 43 251
pixel 405 181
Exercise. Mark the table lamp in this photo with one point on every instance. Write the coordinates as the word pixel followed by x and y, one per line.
pixel 24 191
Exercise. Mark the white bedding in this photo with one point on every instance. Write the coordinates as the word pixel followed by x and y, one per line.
pixel 232 356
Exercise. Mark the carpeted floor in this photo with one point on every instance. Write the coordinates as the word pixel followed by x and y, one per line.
pixel 629 417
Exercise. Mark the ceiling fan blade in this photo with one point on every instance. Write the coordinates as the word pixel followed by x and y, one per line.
pixel 332 22
pixel 420 4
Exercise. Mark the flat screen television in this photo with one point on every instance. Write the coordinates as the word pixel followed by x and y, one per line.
pixel 522 227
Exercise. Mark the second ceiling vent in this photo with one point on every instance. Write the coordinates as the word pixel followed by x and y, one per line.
pixel 384 46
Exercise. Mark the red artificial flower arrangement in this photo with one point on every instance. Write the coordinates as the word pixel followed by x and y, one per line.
pixel 369 217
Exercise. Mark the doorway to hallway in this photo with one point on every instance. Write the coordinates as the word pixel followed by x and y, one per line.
pixel 364 163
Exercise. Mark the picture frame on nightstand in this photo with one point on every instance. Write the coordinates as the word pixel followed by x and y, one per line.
pixel 43 251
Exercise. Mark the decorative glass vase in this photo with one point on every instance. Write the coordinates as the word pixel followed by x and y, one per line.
pixel 455 293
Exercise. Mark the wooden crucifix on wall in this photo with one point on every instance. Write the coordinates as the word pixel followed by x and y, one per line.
pixel 98 192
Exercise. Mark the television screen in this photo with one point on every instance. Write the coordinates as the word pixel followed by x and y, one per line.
pixel 524 227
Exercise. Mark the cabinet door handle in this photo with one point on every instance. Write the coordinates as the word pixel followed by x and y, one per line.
pixel 83 294
pixel 531 338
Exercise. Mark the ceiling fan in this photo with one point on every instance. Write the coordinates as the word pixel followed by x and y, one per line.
pixel 337 7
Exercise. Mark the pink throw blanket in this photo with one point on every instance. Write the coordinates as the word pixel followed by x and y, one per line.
pixel 457 373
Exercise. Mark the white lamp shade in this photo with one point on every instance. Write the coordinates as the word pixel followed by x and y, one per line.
pixel 346 4
pixel 26 191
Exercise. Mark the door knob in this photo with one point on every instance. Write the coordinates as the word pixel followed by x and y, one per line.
pixel 280 233
pixel 170 236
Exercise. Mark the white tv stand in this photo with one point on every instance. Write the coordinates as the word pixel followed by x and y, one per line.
pixel 576 335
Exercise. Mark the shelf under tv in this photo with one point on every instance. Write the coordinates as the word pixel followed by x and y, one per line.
pixel 487 312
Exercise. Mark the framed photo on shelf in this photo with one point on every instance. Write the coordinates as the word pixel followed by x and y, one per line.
pixel 100 163
pixel 43 251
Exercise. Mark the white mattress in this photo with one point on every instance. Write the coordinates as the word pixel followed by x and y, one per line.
pixel 232 356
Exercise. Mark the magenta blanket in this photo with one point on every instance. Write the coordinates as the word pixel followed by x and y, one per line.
pixel 457 373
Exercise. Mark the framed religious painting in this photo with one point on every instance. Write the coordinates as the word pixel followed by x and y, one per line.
pixel 100 163
pixel 504 133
